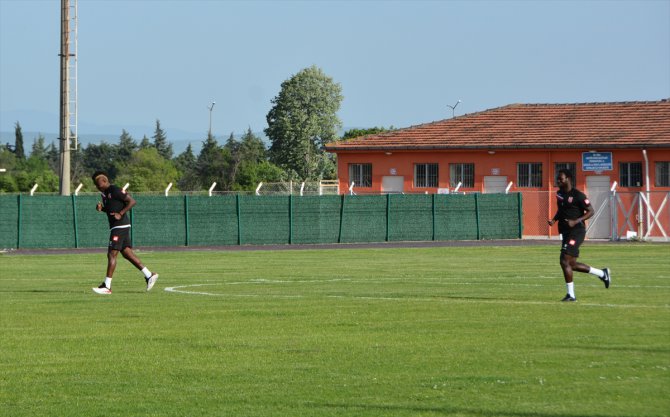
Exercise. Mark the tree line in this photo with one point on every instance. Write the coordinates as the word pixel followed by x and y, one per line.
pixel 302 119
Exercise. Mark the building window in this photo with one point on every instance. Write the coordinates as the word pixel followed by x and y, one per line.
pixel 663 174
pixel 630 174
pixel 529 174
pixel 360 175
pixel 425 175
pixel 566 165
pixel 463 173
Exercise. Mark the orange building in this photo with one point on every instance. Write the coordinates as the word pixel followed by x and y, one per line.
pixel 619 153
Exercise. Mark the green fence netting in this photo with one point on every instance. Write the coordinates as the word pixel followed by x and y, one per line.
pixel 49 221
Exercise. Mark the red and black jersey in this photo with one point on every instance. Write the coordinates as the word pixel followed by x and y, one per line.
pixel 571 205
pixel 113 202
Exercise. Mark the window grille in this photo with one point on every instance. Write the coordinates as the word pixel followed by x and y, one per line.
pixel 360 175
pixel 529 174
pixel 425 175
pixel 463 173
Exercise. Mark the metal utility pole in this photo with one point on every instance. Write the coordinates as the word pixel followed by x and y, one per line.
pixel 68 95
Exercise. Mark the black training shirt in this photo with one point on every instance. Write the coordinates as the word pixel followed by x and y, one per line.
pixel 571 206
pixel 112 202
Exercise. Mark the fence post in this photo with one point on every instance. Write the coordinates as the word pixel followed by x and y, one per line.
pixel 388 215
pixel 186 224
pixel 132 233
pixel 339 236
pixel 433 213
pixel 479 235
pixel 290 218
pixel 239 219
pixel 18 224
pixel 520 214
pixel 74 221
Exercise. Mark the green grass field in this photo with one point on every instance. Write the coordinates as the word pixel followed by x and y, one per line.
pixel 449 331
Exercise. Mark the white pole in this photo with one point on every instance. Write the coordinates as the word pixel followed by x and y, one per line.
pixel 212 188
pixel 508 187
pixel 302 187
pixel 76 192
pixel 646 180
pixel 458 186
pixel 260 184
pixel 613 189
pixel 167 190
pixel 32 190
pixel 125 187
pixel 351 188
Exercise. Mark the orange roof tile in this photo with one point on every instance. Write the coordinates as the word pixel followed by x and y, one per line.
pixel 581 125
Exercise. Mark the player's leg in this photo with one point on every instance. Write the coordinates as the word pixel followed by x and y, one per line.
pixel 603 274
pixel 567 262
pixel 106 286
pixel 149 277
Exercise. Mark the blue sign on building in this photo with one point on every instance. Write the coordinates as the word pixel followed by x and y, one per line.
pixel 597 161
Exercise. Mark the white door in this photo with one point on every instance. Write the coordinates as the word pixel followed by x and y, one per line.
pixel 598 193
pixel 393 184
pixel 495 184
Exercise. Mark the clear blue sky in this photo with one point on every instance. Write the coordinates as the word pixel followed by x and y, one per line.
pixel 399 63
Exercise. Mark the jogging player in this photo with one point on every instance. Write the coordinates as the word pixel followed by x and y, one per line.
pixel 573 209
pixel 116 203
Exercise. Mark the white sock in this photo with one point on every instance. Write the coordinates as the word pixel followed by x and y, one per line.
pixel 108 282
pixel 146 272
pixel 571 288
pixel 597 272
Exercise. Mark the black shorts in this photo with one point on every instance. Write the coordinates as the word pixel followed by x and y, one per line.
pixel 119 239
pixel 572 240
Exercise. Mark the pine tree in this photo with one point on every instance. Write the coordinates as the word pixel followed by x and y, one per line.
pixel 127 146
pixel 160 142
pixel 18 143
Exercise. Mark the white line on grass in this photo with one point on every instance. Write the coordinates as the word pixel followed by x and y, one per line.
pixel 181 289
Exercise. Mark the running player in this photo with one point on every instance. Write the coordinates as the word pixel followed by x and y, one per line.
pixel 573 209
pixel 116 203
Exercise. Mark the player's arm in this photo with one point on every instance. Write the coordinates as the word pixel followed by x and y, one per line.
pixel 553 219
pixel 129 202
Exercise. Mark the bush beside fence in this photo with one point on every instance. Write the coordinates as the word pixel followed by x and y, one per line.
pixel 71 222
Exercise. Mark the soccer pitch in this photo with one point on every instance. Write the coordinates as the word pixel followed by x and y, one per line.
pixel 444 331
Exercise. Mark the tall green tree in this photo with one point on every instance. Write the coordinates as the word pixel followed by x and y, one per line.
pixel 127 146
pixel 211 163
pixel 18 142
pixel 161 143
pixel 302 120
pixel 147 170
pixel 185 163
pixel 145 143
pixel 101 157
pixel 39 149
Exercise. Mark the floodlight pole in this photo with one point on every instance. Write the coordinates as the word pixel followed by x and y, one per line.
pixel 64 138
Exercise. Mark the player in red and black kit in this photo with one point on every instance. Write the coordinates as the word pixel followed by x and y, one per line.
pixel 573 209
pixel 116 203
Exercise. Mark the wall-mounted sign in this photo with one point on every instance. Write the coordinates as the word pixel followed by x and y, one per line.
pixel 495 171
pixel 393 171
pixel 597 161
